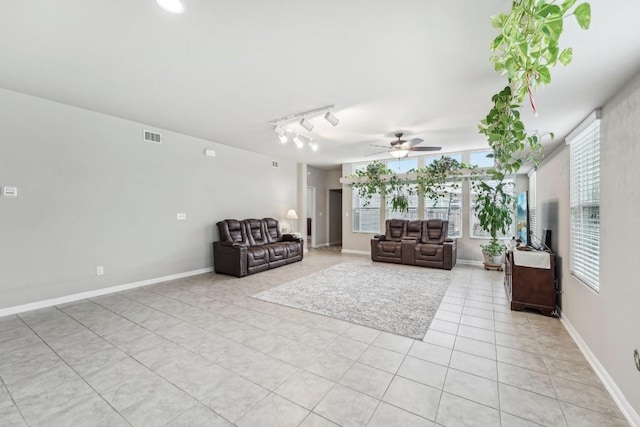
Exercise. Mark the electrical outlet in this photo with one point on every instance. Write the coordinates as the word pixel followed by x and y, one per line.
pixel 636 357
pixel 182 217
pixel 99 270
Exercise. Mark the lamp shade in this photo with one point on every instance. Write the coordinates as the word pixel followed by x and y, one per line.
pixel 291 214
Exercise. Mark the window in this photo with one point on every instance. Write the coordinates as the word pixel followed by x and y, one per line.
pixel 430 159
pixel 446 208
pixel 533 226
pixel 365 219
pixel 403 165
pixel 476 229
pixel 584 152
pixel 480 159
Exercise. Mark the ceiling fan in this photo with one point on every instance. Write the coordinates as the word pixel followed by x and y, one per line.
pixel 400 148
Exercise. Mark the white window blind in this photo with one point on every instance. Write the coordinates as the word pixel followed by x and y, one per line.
pixel 447 208
pixel 533 224
pixel 366 219
pixel 476 229
pixel 585 205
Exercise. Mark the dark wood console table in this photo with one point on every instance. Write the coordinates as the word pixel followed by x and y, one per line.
pixel 531 287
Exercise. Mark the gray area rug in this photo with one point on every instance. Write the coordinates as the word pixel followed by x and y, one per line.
pixel 395 298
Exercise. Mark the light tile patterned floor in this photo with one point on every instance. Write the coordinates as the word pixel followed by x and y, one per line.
pixel 198 351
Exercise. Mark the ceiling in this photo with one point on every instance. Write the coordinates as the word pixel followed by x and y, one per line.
pixel 225 68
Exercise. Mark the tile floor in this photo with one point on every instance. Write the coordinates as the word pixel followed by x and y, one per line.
pixel 199 352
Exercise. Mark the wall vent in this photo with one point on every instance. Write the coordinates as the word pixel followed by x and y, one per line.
pixel 152 137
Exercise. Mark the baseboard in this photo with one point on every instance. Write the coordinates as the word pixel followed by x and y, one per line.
pixel 95 293
pixel 469 262
pixel 353 251
pixel 623 404
pixel 337 242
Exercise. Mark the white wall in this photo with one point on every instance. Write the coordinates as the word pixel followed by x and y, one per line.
pixel 91 193
pixel 607 321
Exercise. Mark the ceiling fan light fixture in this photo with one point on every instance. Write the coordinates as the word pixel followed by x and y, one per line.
pixel 172 6
pixel 331 118
pixel 306 124
pixel 399 153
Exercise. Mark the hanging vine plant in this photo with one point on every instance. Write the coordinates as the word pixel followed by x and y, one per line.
pixel 525 50
pixel 432 181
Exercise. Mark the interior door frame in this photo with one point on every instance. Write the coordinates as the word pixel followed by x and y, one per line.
pixel 311 211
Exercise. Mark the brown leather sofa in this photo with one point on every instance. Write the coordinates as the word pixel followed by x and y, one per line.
pixel 253 245
pixel 415 242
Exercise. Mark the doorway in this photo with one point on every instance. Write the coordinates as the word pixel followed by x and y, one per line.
pixel 335 217
pixel 310 221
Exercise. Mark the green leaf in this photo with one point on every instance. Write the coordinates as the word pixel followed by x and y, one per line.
pixel 567 4
pixel 583 15
pixel 498 20
pixel 566 56
pixel 553 29
pixel 545 75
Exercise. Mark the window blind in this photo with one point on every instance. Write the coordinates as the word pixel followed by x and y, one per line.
pixel 533 220
pixel 446 208
pixel 366 219
pixel 585 205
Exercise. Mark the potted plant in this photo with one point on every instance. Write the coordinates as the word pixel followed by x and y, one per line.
pixel 493 252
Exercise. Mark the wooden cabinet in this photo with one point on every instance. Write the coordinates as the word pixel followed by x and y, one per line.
pixel 533 288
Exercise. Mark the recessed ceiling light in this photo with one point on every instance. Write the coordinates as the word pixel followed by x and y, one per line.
pixel 171 6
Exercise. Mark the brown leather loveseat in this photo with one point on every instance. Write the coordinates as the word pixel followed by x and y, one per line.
pixel 415 242
pixel 253 245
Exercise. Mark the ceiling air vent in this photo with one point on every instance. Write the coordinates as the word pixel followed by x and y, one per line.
pixel 152 137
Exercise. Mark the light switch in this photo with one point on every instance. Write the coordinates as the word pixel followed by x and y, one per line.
pixel 9 191
pixel 182 216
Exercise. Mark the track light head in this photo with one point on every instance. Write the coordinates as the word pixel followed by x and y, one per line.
pixel 298 141
pixel 280 131
pixel 313 146
pixel 331 118
pixel 306 124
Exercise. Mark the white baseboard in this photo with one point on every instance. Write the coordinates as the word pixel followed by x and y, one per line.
pixel 95 293
pixel 353 251
pixel 623 404
pixel 469 262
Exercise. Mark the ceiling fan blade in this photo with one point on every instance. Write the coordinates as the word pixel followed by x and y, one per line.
pixel 376 153
pixel 425 148
pixel 381 146
pixel 415 141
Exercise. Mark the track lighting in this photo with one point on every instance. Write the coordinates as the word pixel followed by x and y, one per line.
pixel 306 124
pixel 331 118
pixel 303 120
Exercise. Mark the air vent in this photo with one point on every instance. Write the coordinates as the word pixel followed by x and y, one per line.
pixel 152 137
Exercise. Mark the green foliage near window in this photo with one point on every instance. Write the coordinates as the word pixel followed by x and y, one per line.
pixel 525 50
pixel 432 180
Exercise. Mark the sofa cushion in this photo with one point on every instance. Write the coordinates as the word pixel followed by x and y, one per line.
pixel 232 230
pixel 396 229
pixel 273 230
pixel 257 255
pixel 256 232
pixel 414 229
pixel 434 231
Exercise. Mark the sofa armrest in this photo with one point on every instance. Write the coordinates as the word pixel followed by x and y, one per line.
pixel 230 258
pixel 380 237
pixel 450 253
pixel 231 244
pixel 291 238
